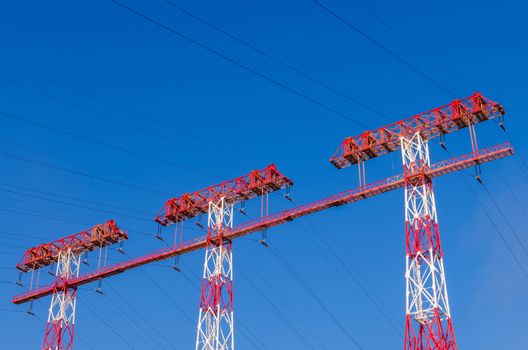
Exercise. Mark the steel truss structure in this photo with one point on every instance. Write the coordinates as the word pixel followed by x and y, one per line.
pixel 428 318
pixel 432 124
pixel 254 184
pixel 215 329
pixel 282 217
pixel 66 254
pixel 216 321
pixel 61 318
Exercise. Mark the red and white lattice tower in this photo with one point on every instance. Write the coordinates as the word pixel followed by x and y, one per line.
pixel 215 321
pixel 428 319
pixel 61 317
pixel 66 254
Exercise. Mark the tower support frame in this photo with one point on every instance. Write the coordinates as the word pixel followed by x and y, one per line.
pixel 60 327
pixel 428 316
pixel 216 318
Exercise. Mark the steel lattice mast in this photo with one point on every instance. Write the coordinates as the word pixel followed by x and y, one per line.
pixel 61 318
pixel 428 318
pixel 216 321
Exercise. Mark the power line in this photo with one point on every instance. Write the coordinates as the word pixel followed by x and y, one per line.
pixel 70 198
pixel 108 145
pixel 274 307
pixel 276 60
pixel 286 304
pixel 125 109
pixel 386 49
pixel 108 325
pixel 497 206
pixel 132 321
pixel 519 204
pixel 141 129
pixel 499 233
pixel 356 280
pixel 80 173
pixel 314 296
pixel 411 44
pixel 85 164
pixel 238 64
pixel 76 205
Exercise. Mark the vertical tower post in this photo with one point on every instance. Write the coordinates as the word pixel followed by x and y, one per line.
pixel 61 317
pixel 215 321
pixel 428 318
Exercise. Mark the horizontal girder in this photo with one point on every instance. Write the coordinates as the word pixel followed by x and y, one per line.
pixel 443 120
pixel 96 237
pixel 354 195
pixel 254 184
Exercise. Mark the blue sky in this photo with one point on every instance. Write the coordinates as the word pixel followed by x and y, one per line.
pixel 116 71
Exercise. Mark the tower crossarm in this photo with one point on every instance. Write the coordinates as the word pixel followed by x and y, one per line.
pixel 443 120
pixel 438 169
pixel 99 236
pixel 254 184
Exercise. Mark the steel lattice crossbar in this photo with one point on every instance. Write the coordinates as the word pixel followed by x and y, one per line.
pixel 354 195
pixel 254 184
pixel 443 120
pixel 48 253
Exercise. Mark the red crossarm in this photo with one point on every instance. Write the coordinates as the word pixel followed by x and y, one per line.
pixel 354 195
pixel 48 253
pixel 443 120
pixel 254 184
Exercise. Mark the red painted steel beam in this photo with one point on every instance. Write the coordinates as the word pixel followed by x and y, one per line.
pixel 443 120
pixel 45 254
pixel 354 195
pixel 189 205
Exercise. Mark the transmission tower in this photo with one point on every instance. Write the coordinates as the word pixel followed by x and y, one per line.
pixel 215 329
pixel 66 254
pixel 428 324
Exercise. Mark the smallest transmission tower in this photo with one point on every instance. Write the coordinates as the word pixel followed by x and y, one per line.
pixel 215 320
pixel 66 253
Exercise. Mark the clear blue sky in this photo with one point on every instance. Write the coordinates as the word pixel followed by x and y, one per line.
pixel 227 121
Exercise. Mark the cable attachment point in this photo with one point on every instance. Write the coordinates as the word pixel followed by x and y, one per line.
pixel 158 234
pixel 263 240
pixel 121 248
pixel 176 265
pixel 99 289
pixel 501 123
pixel 242 208
pixel 29 311
pixel 478 174
pixel 85 259
pixel 198 222
pixel 287 195
pixel 443 142
pixel 19 280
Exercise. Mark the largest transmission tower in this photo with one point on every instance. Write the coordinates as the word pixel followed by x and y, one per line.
pixel 428 324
